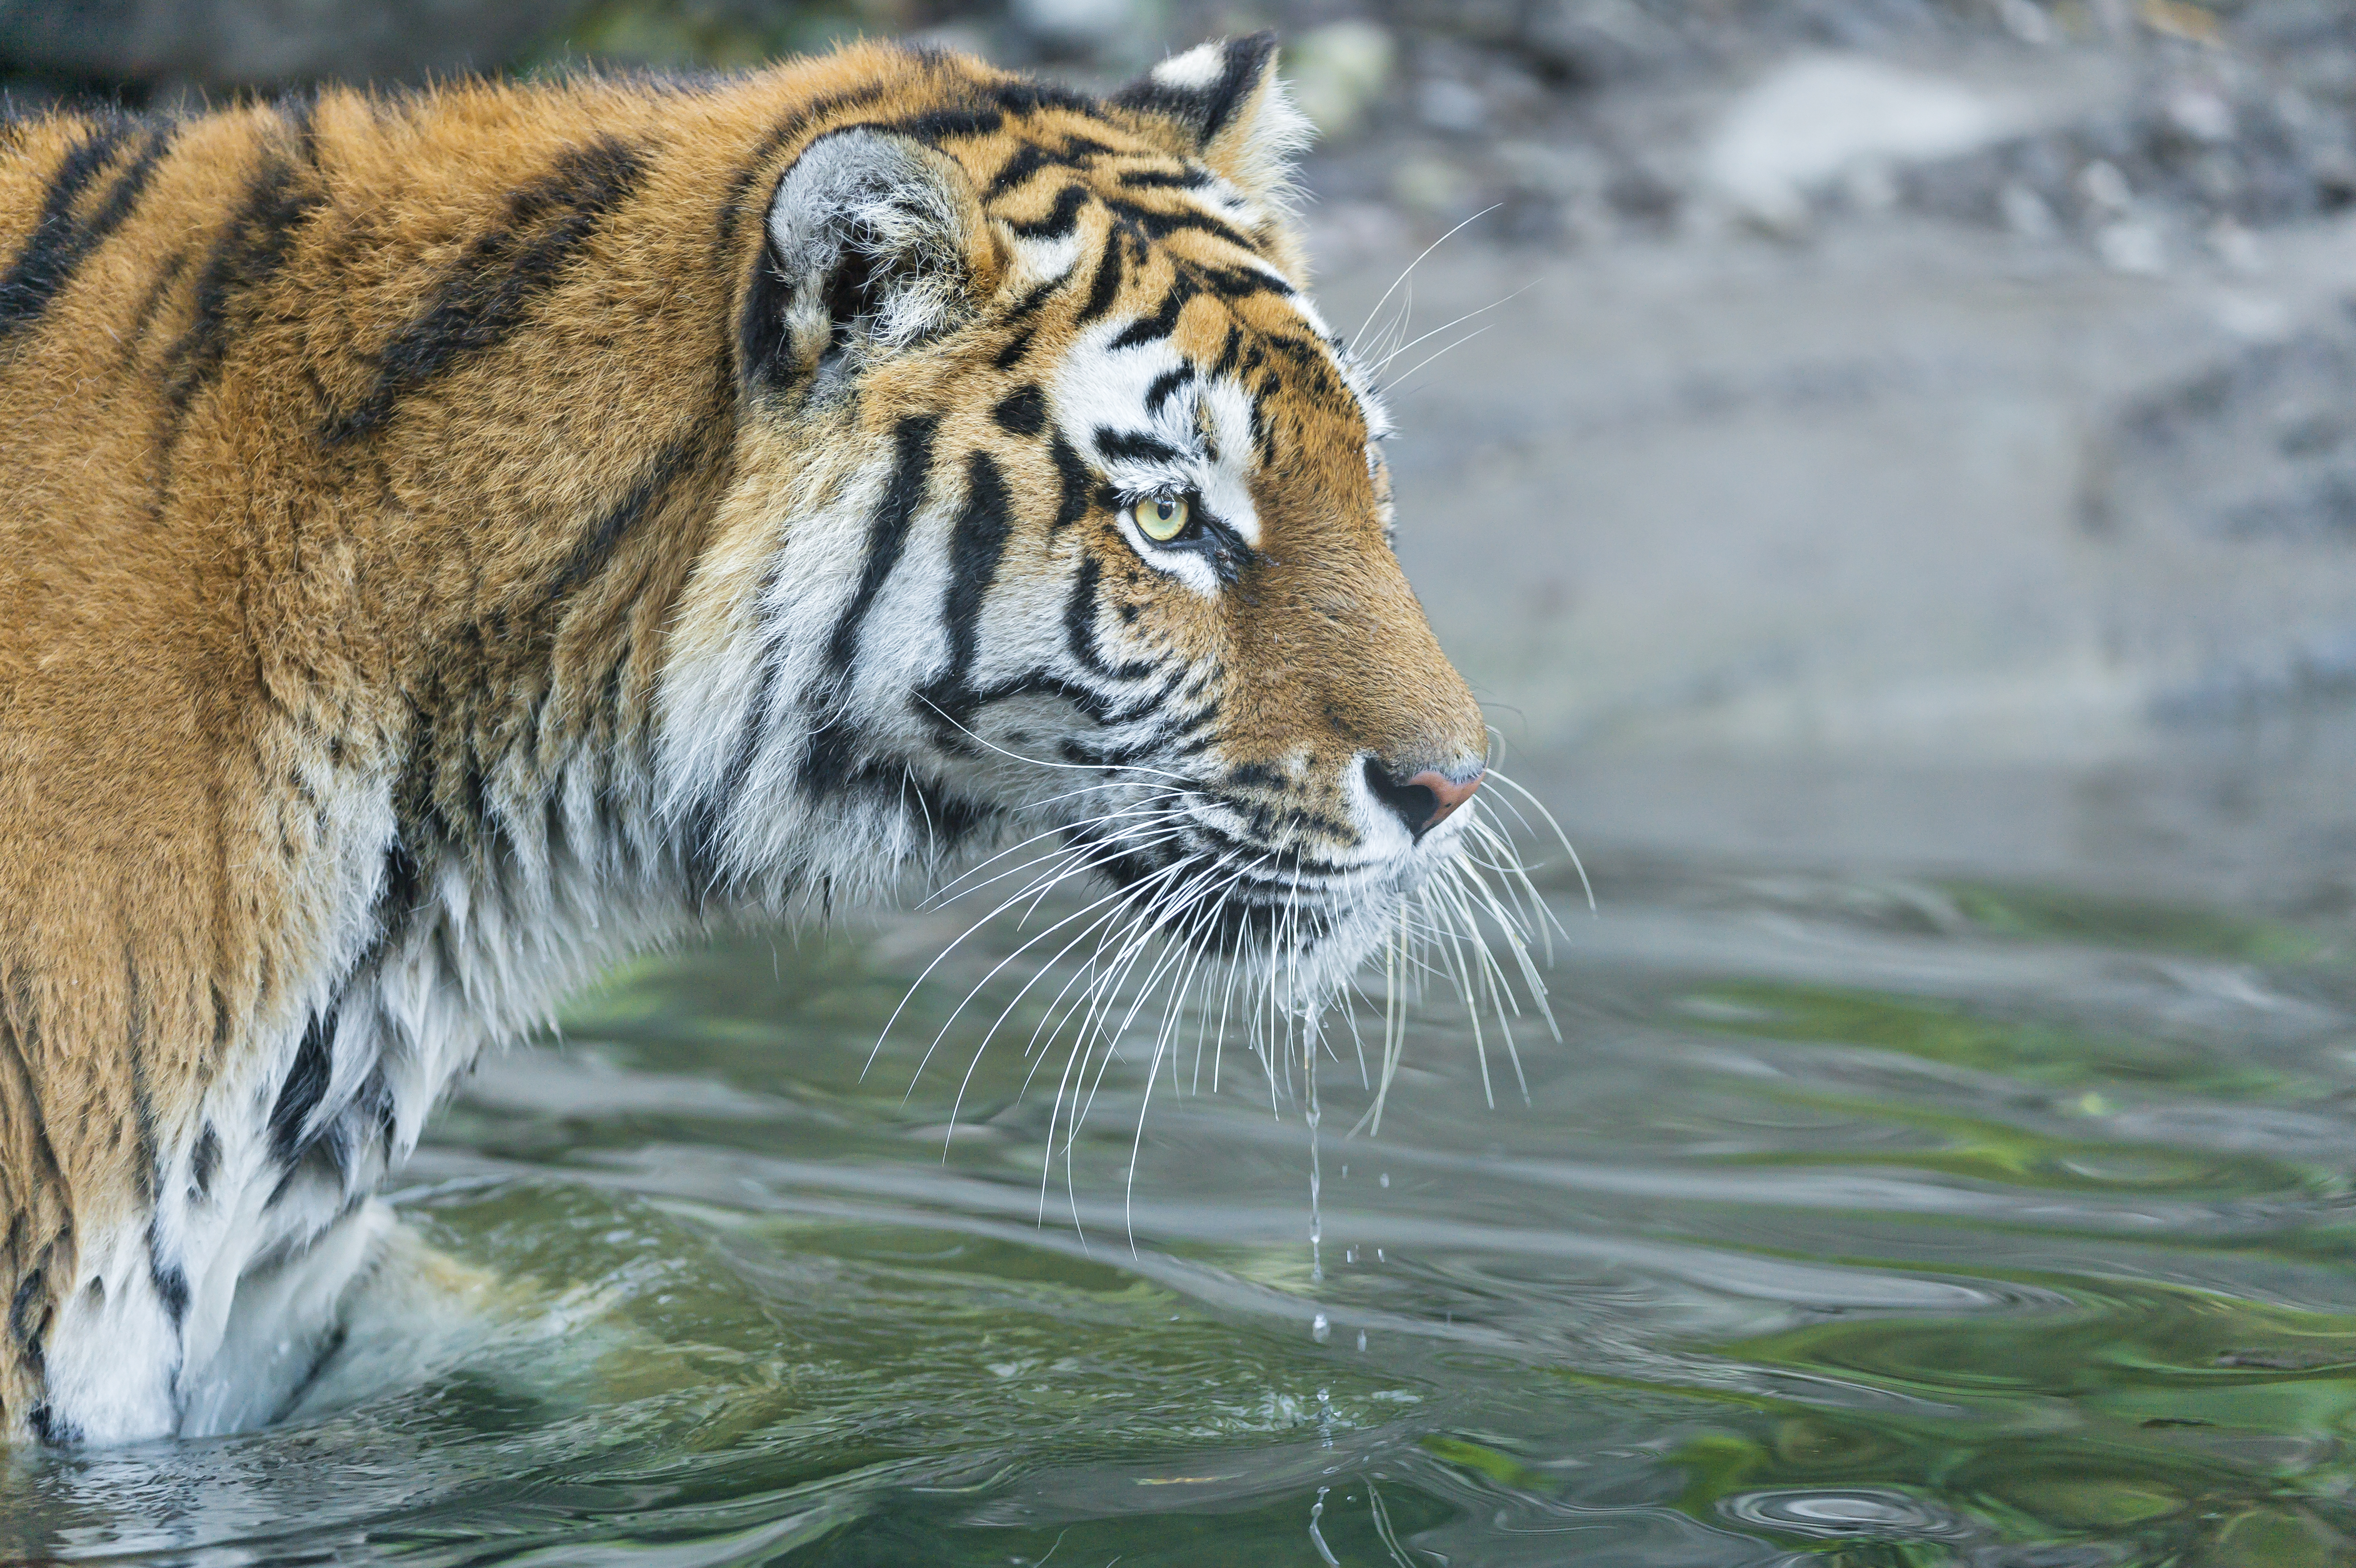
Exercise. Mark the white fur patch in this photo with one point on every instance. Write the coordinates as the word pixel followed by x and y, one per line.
pixel 1099 395
pixel 1199 68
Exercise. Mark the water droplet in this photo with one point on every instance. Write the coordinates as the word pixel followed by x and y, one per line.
pixel 1316 1539
pixel 1319 1330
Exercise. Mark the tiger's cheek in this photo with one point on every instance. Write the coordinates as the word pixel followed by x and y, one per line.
pixel 1155 614
pixel 1141 601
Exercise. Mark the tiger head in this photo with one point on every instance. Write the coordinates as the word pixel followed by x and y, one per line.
pixel 1059 511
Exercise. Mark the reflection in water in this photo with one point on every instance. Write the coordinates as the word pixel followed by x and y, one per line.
pixel 1907 1220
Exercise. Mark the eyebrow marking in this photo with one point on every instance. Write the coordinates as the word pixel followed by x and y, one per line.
pixel 1134 446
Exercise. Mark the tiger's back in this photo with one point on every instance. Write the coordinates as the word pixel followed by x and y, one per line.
pixel 450 540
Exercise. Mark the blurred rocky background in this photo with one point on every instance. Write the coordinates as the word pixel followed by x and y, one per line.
pixel 1914 430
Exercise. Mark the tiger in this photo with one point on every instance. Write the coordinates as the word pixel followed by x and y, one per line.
pixel 454 537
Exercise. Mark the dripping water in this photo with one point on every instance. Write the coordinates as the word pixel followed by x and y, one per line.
pixel 1316 1219
pixel 1316 1216
pixel 1316 1536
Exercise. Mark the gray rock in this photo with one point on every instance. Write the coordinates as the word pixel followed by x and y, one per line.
pixel 1596 41
pixel 1496 22
pixel 2262 447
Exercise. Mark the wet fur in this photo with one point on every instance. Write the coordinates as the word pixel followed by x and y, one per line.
pixel 450 540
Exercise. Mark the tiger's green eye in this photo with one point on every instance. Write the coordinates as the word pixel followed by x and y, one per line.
pixel 1163 518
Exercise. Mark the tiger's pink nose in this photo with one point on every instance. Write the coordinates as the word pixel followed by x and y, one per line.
pixel 1447 794
pixel 1424 800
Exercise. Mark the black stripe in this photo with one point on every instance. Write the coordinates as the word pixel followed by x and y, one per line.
pixel 51 1429
pixel 1107 283
pixel 975 546
pixel 61 242
pixel 248 253
pixel 135 333
pixel 1238 282
pixel 1313 361
pixel 948 820
pixel 1228 352
pixel 1077 482
pixel 142 1109
pixel 306 1086
pixel 27 1333
pixel 23 291
pixel 1027 160
pixel 1161 225
pixel 1165 386
pixel 491 289
pixel 887 535
pixel 941 124
pixel 1097 707
pixel 1135 446
pixel 1167 179
pixel 1030 97
pixel 592 550
pixel 1028 305
pixel 1022 411
pixel 1162 323
pixel 1196 733
pixel 763 348
pixel 1247 57
pixel 933 58
pixel 19 1043
pixel 204 1162
pixel 830 758
pixel 298 111
pixel 1016 347
pixel 1061 219
pixel 171 1281
pixel 1264 427
pixel 1080 627
pixel 1022 310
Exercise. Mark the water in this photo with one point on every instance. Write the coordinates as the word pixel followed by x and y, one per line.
pixel 1864 1218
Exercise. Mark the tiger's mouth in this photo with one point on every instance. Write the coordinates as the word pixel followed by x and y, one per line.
pixel 1173 881
pixel 1190 938
pixel 1221 886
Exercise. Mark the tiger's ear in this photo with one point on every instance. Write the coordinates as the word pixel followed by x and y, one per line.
pixel 1222 102
pixel 868 245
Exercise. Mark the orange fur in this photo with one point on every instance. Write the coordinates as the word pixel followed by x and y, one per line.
pixel 305 587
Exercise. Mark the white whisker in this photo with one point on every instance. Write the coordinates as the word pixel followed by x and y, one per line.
pixel 1410 269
